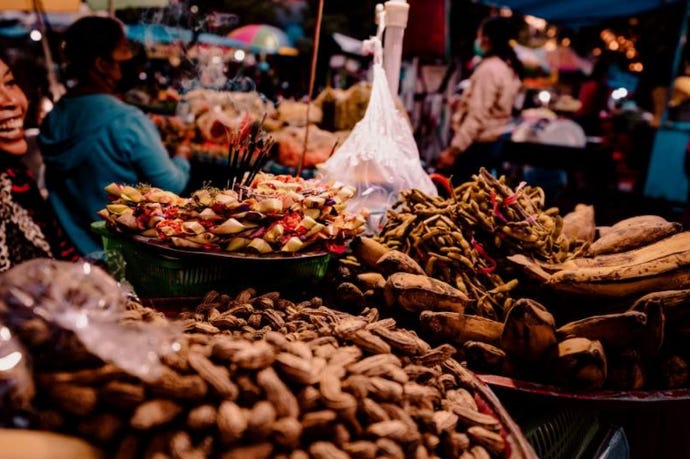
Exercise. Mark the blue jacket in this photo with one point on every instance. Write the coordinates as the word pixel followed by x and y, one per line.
pixel 93 140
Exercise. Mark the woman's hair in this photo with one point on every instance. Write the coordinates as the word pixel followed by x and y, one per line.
pixel 88 38
pixel 500 31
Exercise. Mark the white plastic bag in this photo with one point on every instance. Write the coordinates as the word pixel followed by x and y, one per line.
pixel 380 156
pixel 83 299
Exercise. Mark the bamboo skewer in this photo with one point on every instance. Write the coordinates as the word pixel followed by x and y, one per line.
pixel 312 77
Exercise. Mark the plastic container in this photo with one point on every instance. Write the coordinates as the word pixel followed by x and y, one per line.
pixel 567 434
pixel 158 271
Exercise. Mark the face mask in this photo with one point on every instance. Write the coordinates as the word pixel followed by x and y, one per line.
pixel 478 50
pixel 129 76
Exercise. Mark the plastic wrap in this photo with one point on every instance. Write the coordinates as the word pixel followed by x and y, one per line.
pixel 42 298
pixel 380 157
pixel 16 382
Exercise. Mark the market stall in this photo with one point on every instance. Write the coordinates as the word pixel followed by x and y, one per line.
pixel 264 315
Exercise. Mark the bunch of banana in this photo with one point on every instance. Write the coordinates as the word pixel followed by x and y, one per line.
pixel 655 257
pixel 633 232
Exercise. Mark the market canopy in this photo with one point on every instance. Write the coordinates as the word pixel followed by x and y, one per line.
pixel 65 6
pixel 580 12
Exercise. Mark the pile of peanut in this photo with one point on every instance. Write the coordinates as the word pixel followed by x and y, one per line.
pixel 260 376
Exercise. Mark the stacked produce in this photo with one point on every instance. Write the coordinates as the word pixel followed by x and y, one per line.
pixel 254 376
pixel 273 214
pixel 588 325
pixel 460 240
pixel 638 270
pixel 635 256
pixel 527 343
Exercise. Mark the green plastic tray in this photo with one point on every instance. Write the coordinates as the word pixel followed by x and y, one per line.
pixel 159 271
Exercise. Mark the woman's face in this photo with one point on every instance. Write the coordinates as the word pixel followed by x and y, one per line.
pixel 13 106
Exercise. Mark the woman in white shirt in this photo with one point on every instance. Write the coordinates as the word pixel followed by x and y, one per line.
pixel 486 106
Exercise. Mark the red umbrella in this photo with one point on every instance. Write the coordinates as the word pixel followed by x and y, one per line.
pixel 264 38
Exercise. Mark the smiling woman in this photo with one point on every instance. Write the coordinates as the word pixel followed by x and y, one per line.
pixel 13 107
pixel 28 229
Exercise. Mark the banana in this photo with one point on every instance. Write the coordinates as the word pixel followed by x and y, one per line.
pixel 676 279
pixel 674 372
pixel 630 237
pixel 655 331
pixel 668 246
pixel 532 268
pixel 460 328
pixel 368 250
pixel 529 332
pixel 615 330
pixel 416 293
pixel 484 358
pixel 623 272
pixel 581 364
pixel 397 262
pixel 675 305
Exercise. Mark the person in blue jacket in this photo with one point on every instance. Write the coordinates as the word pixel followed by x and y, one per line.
pixel 91 138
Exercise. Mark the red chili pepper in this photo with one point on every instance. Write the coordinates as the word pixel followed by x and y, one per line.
pixel 291 220
pixel 492 263
pixel 170 211
pixel 497 211
pixel 442 181
pixel 510 200
pixel 335 248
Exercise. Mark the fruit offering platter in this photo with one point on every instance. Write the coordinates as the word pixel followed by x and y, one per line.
pixel 275 214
